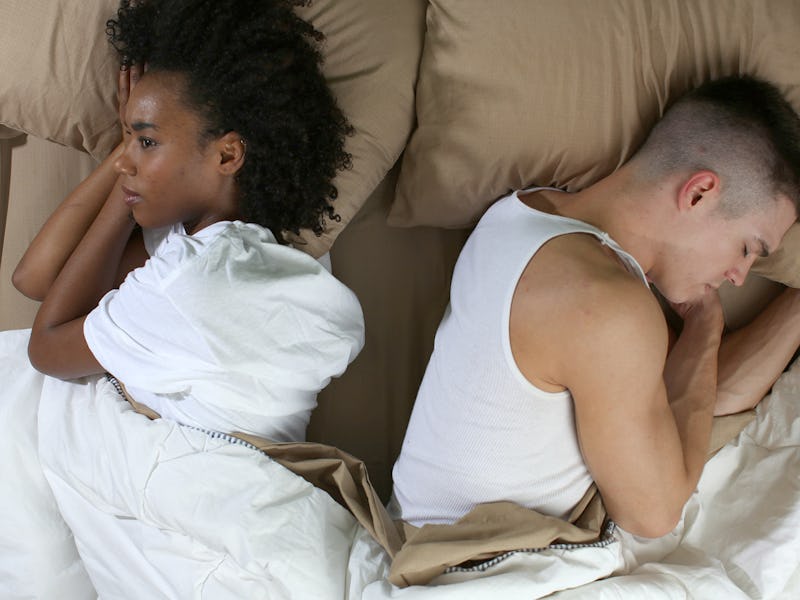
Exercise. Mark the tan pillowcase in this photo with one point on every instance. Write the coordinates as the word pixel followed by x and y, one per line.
pixel 58 79
pixel 59 73
pixel 561 92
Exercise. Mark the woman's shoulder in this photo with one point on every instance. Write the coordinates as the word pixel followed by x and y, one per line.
pixel 248 293
pixel 242 259
pixel 250 248
pixel 176 249
pixel 155 240
pixel 241 263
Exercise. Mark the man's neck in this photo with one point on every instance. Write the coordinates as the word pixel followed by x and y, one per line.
pixel 619 205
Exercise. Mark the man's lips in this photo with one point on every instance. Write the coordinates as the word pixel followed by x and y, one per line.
pixel 131 197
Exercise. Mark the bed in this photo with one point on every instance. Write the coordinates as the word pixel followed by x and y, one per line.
pixel 454 103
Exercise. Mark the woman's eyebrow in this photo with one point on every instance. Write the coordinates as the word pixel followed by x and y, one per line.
pixel 141 125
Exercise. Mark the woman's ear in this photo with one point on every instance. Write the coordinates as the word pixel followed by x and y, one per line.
pixel 231 149
pixel 701 188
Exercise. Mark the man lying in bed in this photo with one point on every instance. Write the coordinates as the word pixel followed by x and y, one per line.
pixel 553 368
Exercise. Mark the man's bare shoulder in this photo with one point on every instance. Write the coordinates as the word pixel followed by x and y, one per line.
pixel 577 271
pixel 575 299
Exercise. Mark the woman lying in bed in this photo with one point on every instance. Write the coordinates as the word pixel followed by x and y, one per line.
pixel 167 269
pixel 231 138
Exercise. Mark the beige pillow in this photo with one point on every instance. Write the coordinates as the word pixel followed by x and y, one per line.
pixel 372 57
pixel 561 92
pixel 58 72
pixel 58 81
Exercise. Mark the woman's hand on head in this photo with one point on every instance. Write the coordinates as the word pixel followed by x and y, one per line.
pixel 129 75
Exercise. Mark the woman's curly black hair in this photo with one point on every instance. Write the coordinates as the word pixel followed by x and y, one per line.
pixel 251 66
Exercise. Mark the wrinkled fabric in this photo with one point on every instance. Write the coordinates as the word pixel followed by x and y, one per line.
pixel 228 330
pixel 149 509
pixel 163 510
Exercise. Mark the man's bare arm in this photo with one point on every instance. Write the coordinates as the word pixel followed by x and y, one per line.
pixel 753 357
pixel 644 423
pixel 644 428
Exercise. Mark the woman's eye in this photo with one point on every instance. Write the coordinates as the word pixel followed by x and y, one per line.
pixel 745 252
pixel 146 142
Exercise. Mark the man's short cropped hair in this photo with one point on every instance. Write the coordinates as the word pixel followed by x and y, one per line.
pixel 741 128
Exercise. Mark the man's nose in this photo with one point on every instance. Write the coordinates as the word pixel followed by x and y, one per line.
pixel 738 274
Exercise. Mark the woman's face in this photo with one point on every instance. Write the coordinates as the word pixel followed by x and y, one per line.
pixel 168 173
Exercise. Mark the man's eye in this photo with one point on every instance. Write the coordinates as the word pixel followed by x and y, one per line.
pixel 745 252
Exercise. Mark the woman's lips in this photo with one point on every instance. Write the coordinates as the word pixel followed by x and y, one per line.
pixel 131 197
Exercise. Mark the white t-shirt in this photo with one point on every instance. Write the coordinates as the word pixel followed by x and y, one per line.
pixel 228 330
pixel 480 431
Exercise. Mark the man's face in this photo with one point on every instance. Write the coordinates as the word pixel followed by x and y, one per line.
pixel 714 249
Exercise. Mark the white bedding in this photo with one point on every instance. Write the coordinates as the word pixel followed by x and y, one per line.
pixel 164 511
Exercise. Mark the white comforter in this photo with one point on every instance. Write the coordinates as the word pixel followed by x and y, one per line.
pixel 163 511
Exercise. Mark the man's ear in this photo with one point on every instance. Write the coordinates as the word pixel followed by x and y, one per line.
pixel 701 189
pixel 231 149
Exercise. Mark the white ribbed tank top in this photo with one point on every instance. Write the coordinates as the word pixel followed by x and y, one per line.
pixel 480 431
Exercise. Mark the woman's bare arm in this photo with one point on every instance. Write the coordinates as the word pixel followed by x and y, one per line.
pixel 57 345
pixel 63 231
pixel 84 250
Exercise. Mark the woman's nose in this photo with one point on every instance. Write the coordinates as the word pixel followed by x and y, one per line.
pixel 124 166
